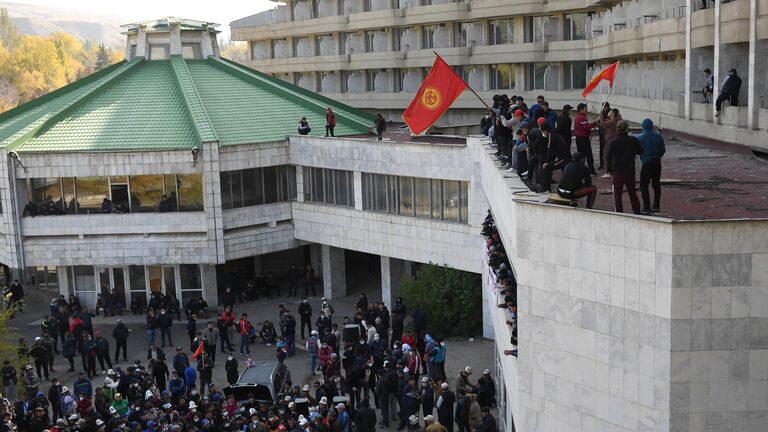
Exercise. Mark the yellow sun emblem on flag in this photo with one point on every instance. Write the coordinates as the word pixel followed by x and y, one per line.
pixel 431 98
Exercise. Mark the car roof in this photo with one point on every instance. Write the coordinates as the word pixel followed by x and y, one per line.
pixel 261 373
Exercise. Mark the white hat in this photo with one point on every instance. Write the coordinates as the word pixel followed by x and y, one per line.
pixel 303 421
pixel 305 388
pixel 376 336
pixel 73 417
pixel 324 400
pixel 252 411
pixel 413 420
pixel 405 369
pixel 424 379
pixel 111 372
pixel 406 347
pixel 38 338
pixel 99 422
pixel 64 389
pixel 339 406
pixel 112 410
pixel 148 394
pixel 167 405
pixel 487 372
pixel 429 418
pixel 192 405
pixel 291 405
pixel 287 399
pixel 467 370
pixel 314 332
pixel 444 386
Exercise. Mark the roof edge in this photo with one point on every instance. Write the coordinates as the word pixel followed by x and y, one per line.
pixel 47 120
pixel 192 101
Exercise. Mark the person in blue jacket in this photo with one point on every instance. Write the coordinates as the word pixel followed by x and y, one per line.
pixel 650 171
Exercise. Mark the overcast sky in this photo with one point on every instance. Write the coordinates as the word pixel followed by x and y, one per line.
pixel 221 12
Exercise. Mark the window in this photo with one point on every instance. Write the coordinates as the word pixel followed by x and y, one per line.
pixel 253 192
pixel 191 51
pixel 328 186
pixel 414 196
pixel 503 76
pixel 576 26
pixel 191 284
pixel 270 184
pixel 427 38
pixel 575 75
pixel 159 51
pixel 539 72
pixel 501 32
pixel 46 194
pixel 137 281
pixel 146 193
pixel 91 192
pixel 257 186
pixel 370 80
pixel 85 284
pixel 190 192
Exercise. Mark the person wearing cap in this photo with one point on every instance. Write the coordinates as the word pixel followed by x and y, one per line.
pixel 120 333
pixel 620 161
pixel 729 91
pixel 563 125
pixel 462 380
pixel 486 390
pixel 536 154
pixel 305 316
pixel 582 130
pixel 101 345
pixel 40 354
pixel 489 422
pixel 82 385
pixel 40 420
pixel 54 397
pixel 165 323
pixel 433 426
pixel 445 406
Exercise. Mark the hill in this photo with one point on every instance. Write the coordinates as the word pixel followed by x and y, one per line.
pixel 43 21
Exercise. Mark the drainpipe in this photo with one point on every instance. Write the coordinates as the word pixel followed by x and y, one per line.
pixel 15 209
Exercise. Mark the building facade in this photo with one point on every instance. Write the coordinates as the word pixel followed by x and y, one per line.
pixel 373 54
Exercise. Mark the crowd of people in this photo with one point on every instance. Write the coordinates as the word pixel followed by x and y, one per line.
pixel 365 371
pixel 536 143
pixel 505 281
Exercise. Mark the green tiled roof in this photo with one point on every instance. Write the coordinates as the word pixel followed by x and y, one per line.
pixel 170 104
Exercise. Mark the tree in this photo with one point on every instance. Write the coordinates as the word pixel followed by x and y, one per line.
pixel 9 341
pixel 102 58
pixel 8 32
pixel 452 299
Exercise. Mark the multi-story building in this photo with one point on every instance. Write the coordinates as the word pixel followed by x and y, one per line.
pixel 373 54
pixel 180 172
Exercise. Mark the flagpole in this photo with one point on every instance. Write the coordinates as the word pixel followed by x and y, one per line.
pixel 470 88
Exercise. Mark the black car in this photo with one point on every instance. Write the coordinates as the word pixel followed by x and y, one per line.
pixel 264 380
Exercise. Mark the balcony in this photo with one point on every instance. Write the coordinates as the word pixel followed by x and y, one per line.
pixel 301 64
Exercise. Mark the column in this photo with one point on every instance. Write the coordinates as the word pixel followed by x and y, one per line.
pixel 257 265
pixel 752 102
pixel 716 61
pixel 141 42
pixel 210 287
pixel 334 272
pixel 299 183
pixel 316 259
pixel 176 39
pixel 392 271
pixel 688 53
pixel 61 275
pixel 358 183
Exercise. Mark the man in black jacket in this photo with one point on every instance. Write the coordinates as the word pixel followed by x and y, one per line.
pixel 365 419
pixel 165 322
pixel 620 162
pixel 120 333
pixel 563 128
pixel 102 351
pixel 305 314
pixel 489 422
pixel 729 90
pixel 462 410
pixel 445 407
pixel 556 155
pixel 576 181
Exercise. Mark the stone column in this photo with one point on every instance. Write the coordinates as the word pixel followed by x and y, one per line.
pixel 334 272
pixel 176 39
pixel 716 61
pixel 61 275
pixel 752 101
pixel 210 286
pixel 299 183
pixel 392 271
pixel 688 53
pixel 257 265
pixel 141 43
pixel 212 202
pixel 358 181
pixel 316 259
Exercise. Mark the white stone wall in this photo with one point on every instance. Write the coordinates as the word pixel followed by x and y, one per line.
pixel 253 156
pixel 259 240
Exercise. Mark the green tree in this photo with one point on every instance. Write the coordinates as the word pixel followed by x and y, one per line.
pixel 102 58
pixel 9 342
pixel 8 32
pixel 452 299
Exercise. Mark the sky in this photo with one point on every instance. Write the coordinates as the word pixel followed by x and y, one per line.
pixel 221 12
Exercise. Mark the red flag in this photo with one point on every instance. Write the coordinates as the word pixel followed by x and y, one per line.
pixel 198 351
pixel 434 97
pixel 608 74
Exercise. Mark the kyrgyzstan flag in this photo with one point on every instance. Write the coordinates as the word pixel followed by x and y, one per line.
pixel 434 97
pixel 198 351
pixel 608 74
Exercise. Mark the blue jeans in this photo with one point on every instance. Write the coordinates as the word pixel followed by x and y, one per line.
pixel 312 363
pixel 290 340
pixel 150 336
pixel 245 347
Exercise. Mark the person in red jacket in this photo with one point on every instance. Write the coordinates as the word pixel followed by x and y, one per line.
pixel 330 121
pixel 582 130
pixel 244 328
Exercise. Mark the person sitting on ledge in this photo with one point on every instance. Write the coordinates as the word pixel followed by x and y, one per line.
pixel 576 181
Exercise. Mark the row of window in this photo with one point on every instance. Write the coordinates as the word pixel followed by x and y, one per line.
pixel 163 51
pixel 473 33
pixel 416 196
pixel 257 186
pixel 329 186
pixel 128 194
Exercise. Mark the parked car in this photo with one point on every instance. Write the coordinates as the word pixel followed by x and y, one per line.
pixel 264 380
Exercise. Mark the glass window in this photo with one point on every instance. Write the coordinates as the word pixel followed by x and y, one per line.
pixel 307 180
pixel 253 194
pixel 437 199
pixel 46 194
pixel 68 189
pixel 146 193
pixel 170 200
pixel 501 32
pixel 155 278
pixel 427 39
pixel 367 189
pixel 406 196
pixel 190 188
pixel 159 51
pixel 380 192
pixel 450 200
pixel 226 191
pixel 191 51
pixel 137 280
pixel 464 201
pixel 576 26
pixel 342 194
pixel 421 197
pixel 270 184
pixel 539 70
pixel 91 192
pixel 190 277
pixel 503 76
pixel 317 185
pixel 392 198
pixel 328 186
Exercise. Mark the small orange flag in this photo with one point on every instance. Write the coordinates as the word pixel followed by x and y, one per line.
pixel 434 97
pixel 608 74
pixel 198 351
